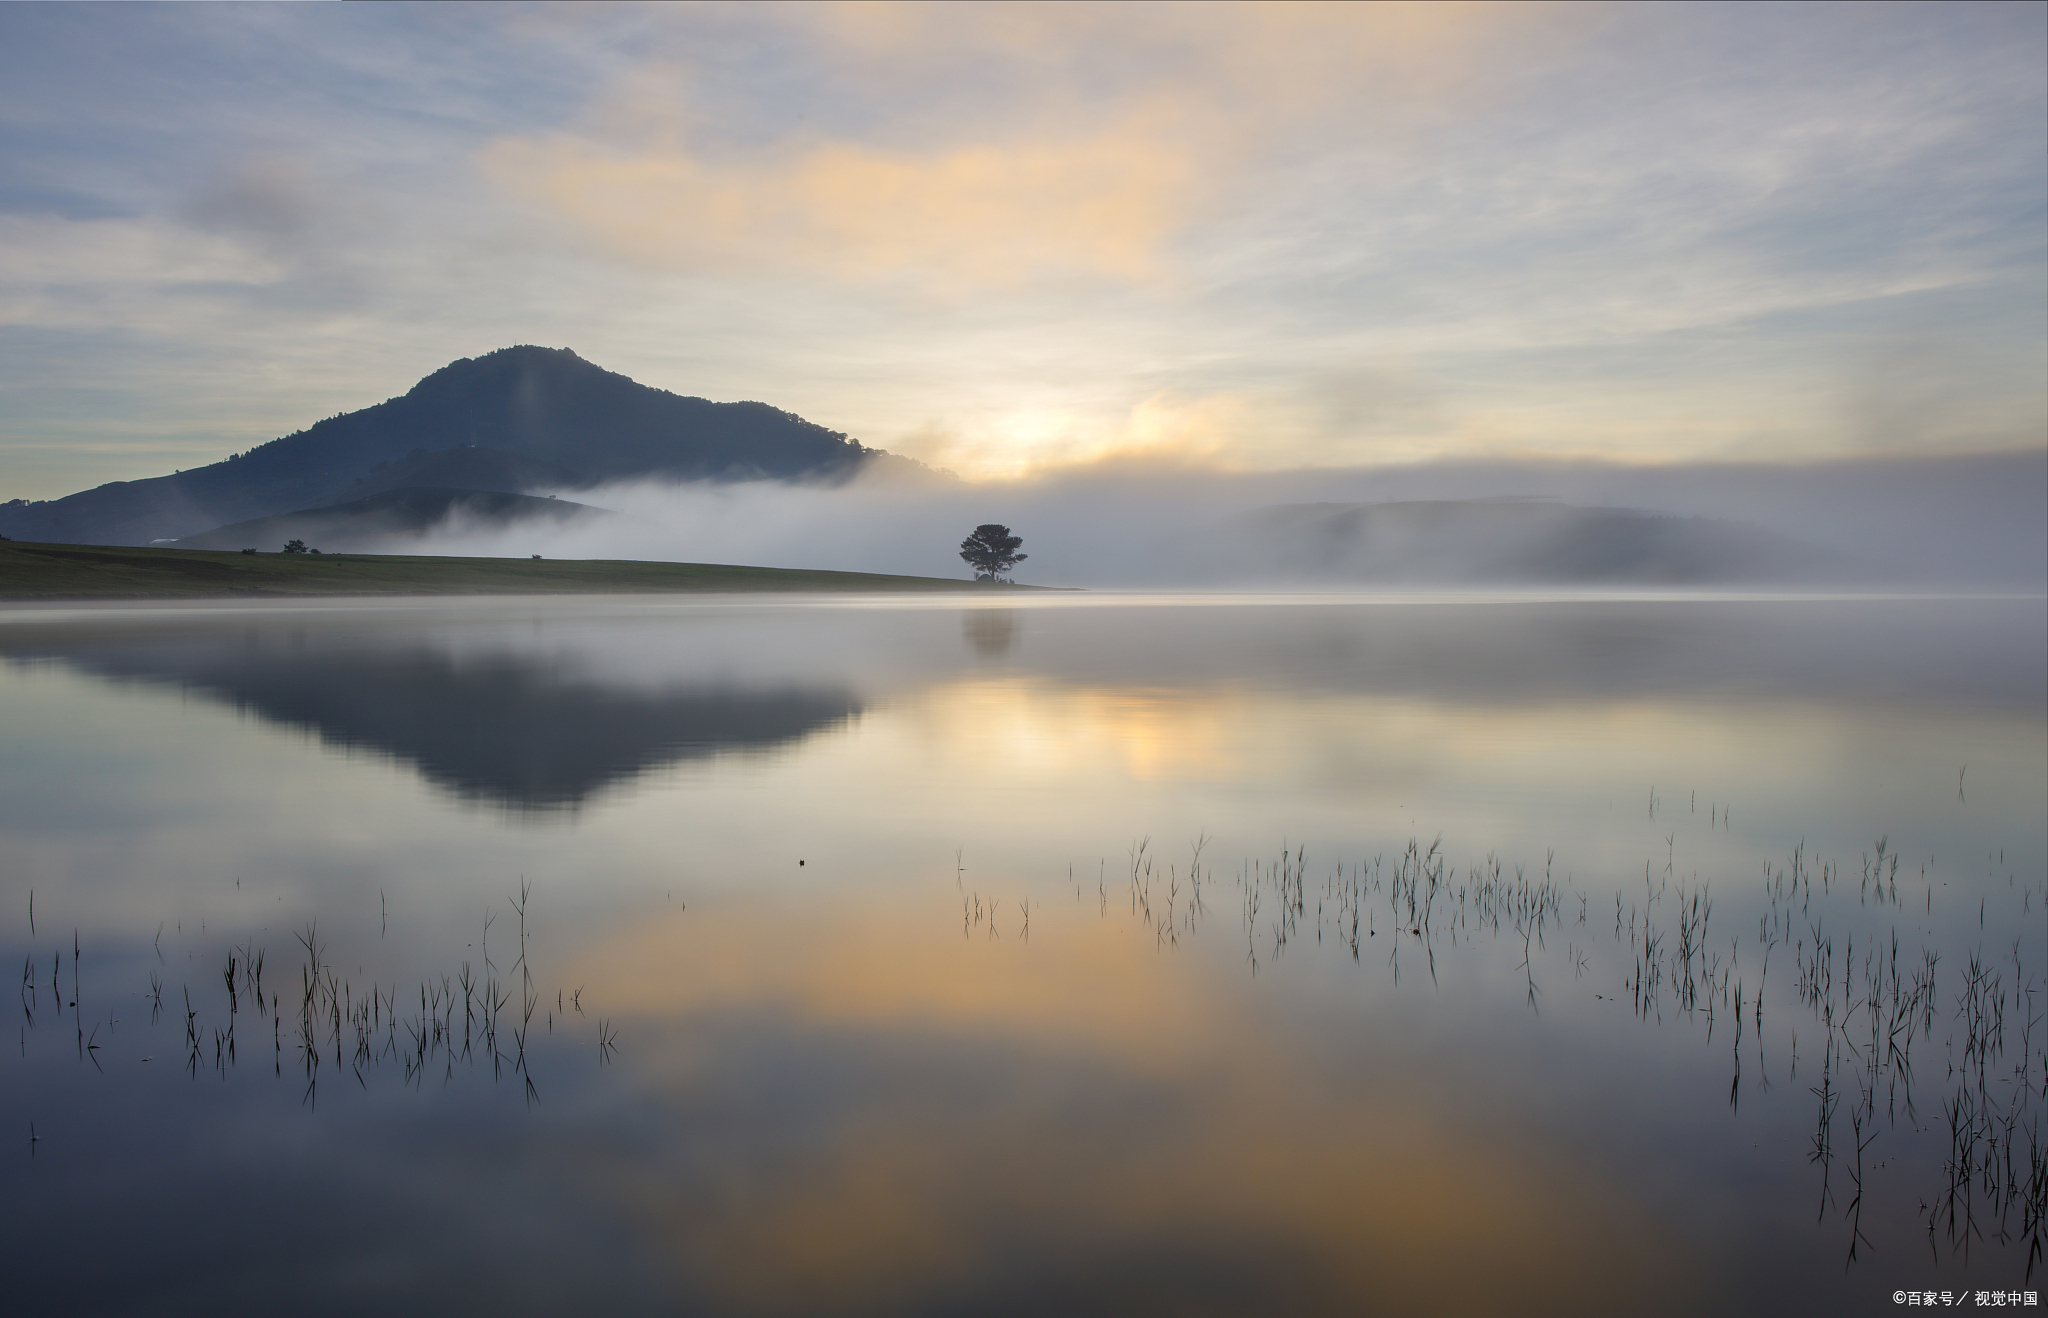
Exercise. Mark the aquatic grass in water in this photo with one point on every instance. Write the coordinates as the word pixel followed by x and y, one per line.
pixel 1862 1010
pixel 1864 1005
pixel 1389 947
pixel 329 1024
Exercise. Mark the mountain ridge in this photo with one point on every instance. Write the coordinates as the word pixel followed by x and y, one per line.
pixel 534 407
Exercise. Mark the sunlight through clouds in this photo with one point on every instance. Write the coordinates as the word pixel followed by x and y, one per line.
pixel 1213 430
pixel 1096 139
pixel 1006 239
pixel 963 219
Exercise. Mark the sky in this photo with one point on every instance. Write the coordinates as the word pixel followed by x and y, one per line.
pixel 1020 240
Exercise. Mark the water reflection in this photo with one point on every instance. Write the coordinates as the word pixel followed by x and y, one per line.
pixel 1518 651
pixel 867 1118
pixel 579 699
pixel 514 728
pixel 991 633
pixel 1469 1002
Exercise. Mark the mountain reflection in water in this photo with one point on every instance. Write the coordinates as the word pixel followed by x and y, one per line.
pixel 515 729
pixel 1100 956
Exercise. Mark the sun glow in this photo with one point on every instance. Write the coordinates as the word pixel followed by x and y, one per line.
pixel 1039 439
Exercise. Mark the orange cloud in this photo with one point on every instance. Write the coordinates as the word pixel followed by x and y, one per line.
pixel 1046 168
pixel 989 213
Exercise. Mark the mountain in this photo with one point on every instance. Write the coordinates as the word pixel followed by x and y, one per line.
pixel 465 469
pixel 381 523
pixel 1520 541
pixel 515 420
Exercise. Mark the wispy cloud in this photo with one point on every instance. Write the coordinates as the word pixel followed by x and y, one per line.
pixel 991 146
pixel 1003 238
pixel 965 217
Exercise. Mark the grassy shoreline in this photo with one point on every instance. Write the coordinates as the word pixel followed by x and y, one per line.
pixel 52 572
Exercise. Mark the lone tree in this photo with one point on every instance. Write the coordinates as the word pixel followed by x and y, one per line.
pixel 294 546
pixel 992 550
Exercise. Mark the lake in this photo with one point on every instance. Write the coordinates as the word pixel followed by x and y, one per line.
pixel 1038 953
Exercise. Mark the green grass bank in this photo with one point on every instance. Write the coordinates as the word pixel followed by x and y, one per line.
pixel 79 572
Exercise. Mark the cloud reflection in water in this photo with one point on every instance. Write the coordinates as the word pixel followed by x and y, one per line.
pixel 861 1115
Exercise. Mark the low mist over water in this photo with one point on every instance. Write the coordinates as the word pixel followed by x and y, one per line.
pixel 1223 659
pixel 1973 522
pixel 1074 952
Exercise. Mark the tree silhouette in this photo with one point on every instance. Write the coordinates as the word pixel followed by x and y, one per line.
pixel 992 550
pixel 294 546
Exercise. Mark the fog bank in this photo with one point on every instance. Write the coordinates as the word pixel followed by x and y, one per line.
pixel 1971 521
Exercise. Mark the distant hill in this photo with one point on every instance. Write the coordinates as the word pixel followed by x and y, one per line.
pixel 512 421
pixel 1520 541
pixel 382 523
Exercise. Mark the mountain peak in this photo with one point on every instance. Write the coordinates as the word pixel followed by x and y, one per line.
pixel 553 419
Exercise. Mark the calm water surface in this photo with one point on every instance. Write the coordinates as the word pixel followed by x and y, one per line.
pixel 1086 954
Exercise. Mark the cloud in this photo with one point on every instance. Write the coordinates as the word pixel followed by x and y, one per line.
pixel 1027 441
pixel 996 213
pixel 1923 387
pixel 266 201
pixel 1007 238
pixel 995 146
pixel 47 262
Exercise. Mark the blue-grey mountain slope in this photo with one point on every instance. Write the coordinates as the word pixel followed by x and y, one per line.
pixel 532 418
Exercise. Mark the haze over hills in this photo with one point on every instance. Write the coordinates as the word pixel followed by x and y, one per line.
pixel 382 523
pixel 1518 540
pixel 515 420
pixel 449 468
